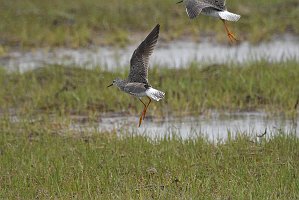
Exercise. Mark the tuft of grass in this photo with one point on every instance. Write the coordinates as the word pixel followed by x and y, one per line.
pixel 75 23
pixel 38 163
pixel 57 89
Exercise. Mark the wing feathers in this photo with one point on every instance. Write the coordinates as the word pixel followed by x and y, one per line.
pixel 194 8
pixel 220 4
pixel 140 58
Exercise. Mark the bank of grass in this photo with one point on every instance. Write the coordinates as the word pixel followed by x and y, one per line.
pixel 38 163
pixel 75 23
pixel 273 88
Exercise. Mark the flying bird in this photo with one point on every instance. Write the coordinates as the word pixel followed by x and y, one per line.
pixel 137 82
pixel 214 8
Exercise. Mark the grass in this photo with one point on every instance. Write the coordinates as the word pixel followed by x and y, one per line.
pixel 75 23
pixel 273 88
pixel 36 162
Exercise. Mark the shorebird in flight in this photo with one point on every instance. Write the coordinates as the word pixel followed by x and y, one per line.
pixel 137 82
pixel 214 8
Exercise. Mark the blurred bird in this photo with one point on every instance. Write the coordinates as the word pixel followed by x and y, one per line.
pixel 214 8
pixel 137 82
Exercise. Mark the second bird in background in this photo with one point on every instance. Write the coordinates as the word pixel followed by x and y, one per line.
pixel 214 8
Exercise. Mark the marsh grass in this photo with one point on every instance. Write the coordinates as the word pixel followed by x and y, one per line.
pixel 36 162
pixel 189 91
pixel 74 23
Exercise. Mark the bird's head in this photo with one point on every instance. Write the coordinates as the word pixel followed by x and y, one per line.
pixel 114 82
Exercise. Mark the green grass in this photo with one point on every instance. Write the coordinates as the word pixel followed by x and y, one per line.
pixel 38 163
pixel 75 23
pixel 273 88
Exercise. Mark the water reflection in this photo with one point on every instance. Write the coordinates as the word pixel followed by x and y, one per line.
pixel 175 54
pixel 214 127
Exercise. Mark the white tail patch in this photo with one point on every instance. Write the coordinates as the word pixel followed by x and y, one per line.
pixel 229 16
pixel 155 94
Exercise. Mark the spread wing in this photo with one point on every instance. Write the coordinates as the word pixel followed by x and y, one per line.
pixel 140 58
pixel 194 7
pixel 220 4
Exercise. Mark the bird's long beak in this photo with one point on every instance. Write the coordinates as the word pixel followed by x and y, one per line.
pixel 109 85
pixel 179 2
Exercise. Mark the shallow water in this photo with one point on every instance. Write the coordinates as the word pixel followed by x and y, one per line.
pixel 175 54
pixel 214 127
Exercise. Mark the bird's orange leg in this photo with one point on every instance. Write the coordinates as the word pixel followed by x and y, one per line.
pixel 230 35
pixel 147 107
pixel 142 114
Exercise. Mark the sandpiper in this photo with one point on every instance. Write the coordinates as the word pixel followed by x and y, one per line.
pixel 137 82
pixel 214 8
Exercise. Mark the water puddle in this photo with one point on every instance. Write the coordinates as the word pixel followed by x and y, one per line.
pixel 214 127
pixel 175 54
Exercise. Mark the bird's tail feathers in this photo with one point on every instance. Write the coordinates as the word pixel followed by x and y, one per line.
pixel 229 16
pixel 155 94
